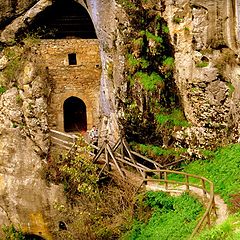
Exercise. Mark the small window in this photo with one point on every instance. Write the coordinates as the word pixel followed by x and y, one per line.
pixel 72 59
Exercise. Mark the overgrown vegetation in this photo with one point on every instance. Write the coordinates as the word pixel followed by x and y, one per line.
pixel 160 216
pixel 12 233
pixel 159 154
pixel 74 170
pixel 16 56
pixel 152 107
pixel 99 208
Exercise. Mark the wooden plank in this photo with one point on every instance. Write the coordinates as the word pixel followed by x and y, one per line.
pixel 114 159
pixel 146 159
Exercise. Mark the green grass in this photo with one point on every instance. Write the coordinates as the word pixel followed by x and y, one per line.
pixel 223 170
pixel 154 151
pixel 229 230
pixel 172 218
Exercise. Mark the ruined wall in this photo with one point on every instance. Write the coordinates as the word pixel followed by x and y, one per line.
pixel 81 80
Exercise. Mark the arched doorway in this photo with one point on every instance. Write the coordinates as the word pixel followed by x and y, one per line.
pixel 75 115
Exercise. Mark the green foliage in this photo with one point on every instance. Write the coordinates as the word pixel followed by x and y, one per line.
pixel 15 63
pixel 149 82
pixel 228 230
pixel 75 171
pixel 137 62
pixel 165 29
pixel 2 90
pixel 151 36
pixel 138 42
pixel 172 217
pixel 202 64
pixel 154 151
pixel 12 233
pixel 177 19
pixel 223 170
pixel 231 88
pixel 169 61
pixel 175 118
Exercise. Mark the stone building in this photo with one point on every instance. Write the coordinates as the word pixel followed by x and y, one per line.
pixel 70 50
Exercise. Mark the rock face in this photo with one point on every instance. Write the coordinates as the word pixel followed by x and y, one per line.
pixel 26 199
pixel 204 82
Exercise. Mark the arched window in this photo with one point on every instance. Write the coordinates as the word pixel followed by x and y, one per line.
pixel 64 19
pixel 75 115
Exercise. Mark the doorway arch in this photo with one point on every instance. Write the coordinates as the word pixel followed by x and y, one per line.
pixel 74 114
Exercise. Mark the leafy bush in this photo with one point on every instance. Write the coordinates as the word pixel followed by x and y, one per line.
pixel 172 217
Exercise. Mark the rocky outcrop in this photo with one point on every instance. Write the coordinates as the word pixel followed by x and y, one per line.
pixel 25 198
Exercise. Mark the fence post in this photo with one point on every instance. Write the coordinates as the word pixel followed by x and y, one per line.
pixel 203 186
pixel 160 174
pixel 214 206
pixel 144 178
pixel 208 219
pixel 165 180
pixel 187 182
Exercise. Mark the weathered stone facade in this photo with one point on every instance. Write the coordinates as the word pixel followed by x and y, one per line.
pixel 81 80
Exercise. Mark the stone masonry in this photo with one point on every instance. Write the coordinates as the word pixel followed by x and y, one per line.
pixel 81 80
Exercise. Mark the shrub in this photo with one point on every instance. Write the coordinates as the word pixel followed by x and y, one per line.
pixel 172 217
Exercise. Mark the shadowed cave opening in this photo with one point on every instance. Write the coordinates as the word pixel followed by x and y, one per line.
pixel 75 116
pixel 64 19
pixel 32 237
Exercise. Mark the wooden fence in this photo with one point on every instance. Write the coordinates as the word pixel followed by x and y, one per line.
pixel 204 184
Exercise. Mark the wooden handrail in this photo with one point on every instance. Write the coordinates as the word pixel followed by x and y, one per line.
pixel 211 205
pixel 144 171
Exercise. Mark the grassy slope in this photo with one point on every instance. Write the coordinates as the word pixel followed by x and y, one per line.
pixel 172 218
pixel 223 170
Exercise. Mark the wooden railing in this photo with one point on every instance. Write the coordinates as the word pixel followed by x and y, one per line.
pixel 68 141
pixel 204 184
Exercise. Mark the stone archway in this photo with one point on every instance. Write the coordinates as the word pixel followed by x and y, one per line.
pixel 74 114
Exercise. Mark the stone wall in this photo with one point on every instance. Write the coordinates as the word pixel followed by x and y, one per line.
pixel 81 80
